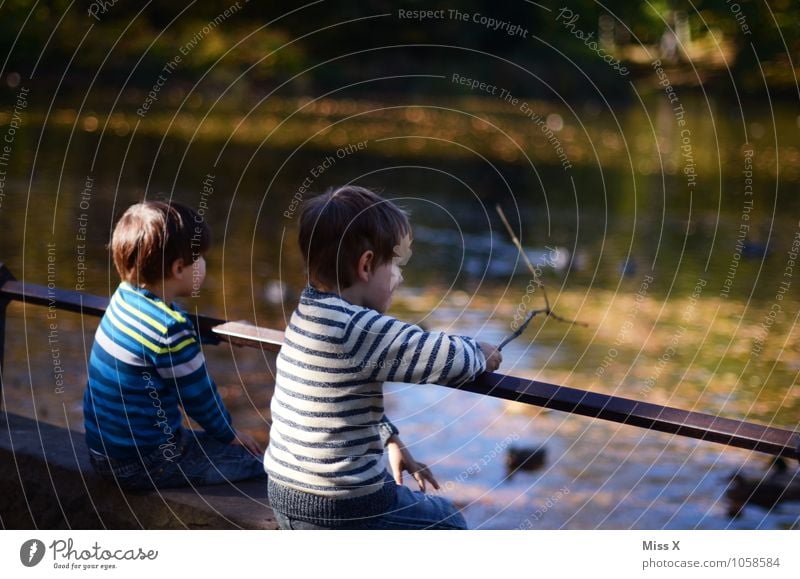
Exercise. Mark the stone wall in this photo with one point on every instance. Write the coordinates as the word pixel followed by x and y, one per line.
pixel 46 482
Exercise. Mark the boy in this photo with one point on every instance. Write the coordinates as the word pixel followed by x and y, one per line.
pixel 146 361
pixel 325 458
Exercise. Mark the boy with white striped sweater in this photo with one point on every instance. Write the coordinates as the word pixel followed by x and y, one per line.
pixel 326 461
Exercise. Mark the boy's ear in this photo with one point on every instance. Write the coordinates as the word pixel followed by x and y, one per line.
pixel 364 268
pixel 177 269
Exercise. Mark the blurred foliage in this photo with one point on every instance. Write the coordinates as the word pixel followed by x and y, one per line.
pixel 267 42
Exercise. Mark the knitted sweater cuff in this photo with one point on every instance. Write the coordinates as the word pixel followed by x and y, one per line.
pixel 387 430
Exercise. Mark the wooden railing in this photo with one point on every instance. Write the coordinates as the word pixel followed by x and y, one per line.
pixel 742 434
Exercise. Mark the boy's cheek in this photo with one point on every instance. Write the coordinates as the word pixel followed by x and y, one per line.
pixel 396 278
pixel 402 251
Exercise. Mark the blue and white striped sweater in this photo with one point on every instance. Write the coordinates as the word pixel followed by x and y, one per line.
pixel 146 361
pixel 326 453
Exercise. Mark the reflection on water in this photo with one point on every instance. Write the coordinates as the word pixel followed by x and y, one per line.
pixel 599 475
pixel 682 307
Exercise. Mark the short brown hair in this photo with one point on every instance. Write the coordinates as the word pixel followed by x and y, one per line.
pixel 151 235
pixel 337 227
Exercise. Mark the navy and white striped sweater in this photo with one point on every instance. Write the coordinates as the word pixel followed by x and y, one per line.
pixel 146 361
pixel 325 458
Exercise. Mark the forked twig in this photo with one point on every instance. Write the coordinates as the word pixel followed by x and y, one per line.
pixel 518 332
pixel 547 309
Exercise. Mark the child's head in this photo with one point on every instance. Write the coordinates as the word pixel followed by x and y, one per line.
pixel 350 236
pixel 155 241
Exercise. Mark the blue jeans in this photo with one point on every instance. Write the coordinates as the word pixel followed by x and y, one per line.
pixel 411 510
pixel 201 460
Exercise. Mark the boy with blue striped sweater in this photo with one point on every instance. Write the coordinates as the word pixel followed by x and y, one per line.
pixel 329 437
pixel 146 363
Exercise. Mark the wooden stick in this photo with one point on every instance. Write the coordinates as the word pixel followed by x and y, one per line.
pixel 547 309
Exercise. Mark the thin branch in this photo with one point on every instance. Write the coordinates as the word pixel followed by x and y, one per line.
pixel 547 309
pixel 518 332
pixel 524 256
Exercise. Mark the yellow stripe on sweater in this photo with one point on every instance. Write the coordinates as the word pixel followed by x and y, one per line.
pixel 147 343
pixel 143 316
pixel 159 304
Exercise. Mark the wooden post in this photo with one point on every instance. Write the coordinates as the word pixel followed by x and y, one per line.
pixel 5 275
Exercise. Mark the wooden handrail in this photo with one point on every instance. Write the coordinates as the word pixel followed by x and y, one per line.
pixel 72 301
pixel 727 431
pixel 707 427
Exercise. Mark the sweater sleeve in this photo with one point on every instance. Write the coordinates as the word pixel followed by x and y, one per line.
pixel 181 362
pixel 206 339
pixel 410 354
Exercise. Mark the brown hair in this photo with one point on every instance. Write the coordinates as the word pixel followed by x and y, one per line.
pixel 151 235
pixel 337 227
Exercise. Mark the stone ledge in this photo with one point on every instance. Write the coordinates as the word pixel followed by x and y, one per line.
pixel 46 481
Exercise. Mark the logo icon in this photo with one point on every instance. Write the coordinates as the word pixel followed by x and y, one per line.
pixel 31 552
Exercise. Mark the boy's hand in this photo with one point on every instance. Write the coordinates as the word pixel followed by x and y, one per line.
pixel 400 459
pixel 493 356
pixel 247 441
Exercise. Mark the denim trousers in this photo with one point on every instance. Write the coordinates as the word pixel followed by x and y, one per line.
pixel 411 510
pixel 201 460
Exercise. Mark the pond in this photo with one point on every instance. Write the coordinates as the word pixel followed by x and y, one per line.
pixel 681 268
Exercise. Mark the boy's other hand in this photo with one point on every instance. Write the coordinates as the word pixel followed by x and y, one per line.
pixel 400 459
pixel 493 356
pixel 247 441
